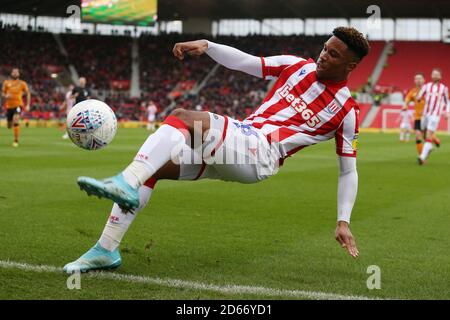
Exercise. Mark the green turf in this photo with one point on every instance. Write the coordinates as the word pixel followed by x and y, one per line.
pixel 277 234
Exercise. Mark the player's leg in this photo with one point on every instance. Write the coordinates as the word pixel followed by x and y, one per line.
pixel 427 147
pixel 105 253
pixel 63 127
pixel 419 136
pixel 431 126
pixel 16 127
pixel 407 133
pixel 156 151
pixel 9 117
pixel 119 220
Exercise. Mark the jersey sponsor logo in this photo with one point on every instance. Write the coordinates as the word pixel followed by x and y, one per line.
pixel 299 105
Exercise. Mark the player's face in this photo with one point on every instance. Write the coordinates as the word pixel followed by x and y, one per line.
pixel 15 73
pixel 82 82
pixel 419 80
pixel 335 60
pixel 435 75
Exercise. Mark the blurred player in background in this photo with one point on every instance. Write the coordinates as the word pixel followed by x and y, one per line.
pixel 12 92
pixel 436 99
pixel 410 101
pixel 82 92
pixel 405 118
pixel 152 109
pixel 67 105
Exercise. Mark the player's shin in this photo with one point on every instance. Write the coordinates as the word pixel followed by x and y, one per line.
pixel 16 129
pixel 426 150
pixel 156 151
pixel 419 146
pixel 119 221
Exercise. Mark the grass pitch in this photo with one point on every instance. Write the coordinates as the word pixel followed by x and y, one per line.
pixel 276 234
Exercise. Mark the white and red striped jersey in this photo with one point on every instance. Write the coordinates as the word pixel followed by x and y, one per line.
pixel 436 98
pixel 300 110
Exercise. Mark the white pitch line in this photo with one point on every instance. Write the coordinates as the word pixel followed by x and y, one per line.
pixel 176 283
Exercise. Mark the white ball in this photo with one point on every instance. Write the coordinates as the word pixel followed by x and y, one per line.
pixel 91 124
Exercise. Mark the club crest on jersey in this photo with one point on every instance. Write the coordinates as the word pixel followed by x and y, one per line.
pixel 302 72
pixel 299 105
pixel 333 108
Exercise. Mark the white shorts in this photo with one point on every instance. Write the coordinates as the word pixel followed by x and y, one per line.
pixel 151 118
pixel 430 123
pixel 232 151
pixel 405 125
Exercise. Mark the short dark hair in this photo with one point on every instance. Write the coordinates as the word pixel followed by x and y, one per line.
pixel 354 40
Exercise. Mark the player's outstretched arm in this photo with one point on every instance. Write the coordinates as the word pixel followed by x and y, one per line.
pixel 347 190
pixel 229 57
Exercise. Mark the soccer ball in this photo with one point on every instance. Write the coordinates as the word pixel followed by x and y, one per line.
pixel 91 124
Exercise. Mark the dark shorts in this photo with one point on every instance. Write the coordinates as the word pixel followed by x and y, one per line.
pixel 10 112
pixel 417 125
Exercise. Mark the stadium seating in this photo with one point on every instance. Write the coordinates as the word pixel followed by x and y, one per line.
pixel 360 75
pixel 103 60
pixel 410 57
pixel 35 55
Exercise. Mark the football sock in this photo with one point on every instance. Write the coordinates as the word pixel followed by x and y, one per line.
pixel 419 146
pixel 402 136
pixel 426 149
pixel 407 134
pixel 156 151
pixel 16 130
pixel 119 221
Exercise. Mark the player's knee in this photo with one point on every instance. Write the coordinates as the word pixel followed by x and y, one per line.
pixel 180 113
pixel 186 116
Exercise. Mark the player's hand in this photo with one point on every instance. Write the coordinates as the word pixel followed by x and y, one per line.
pixel 345 238
pixel 27 108
pixel 194 48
